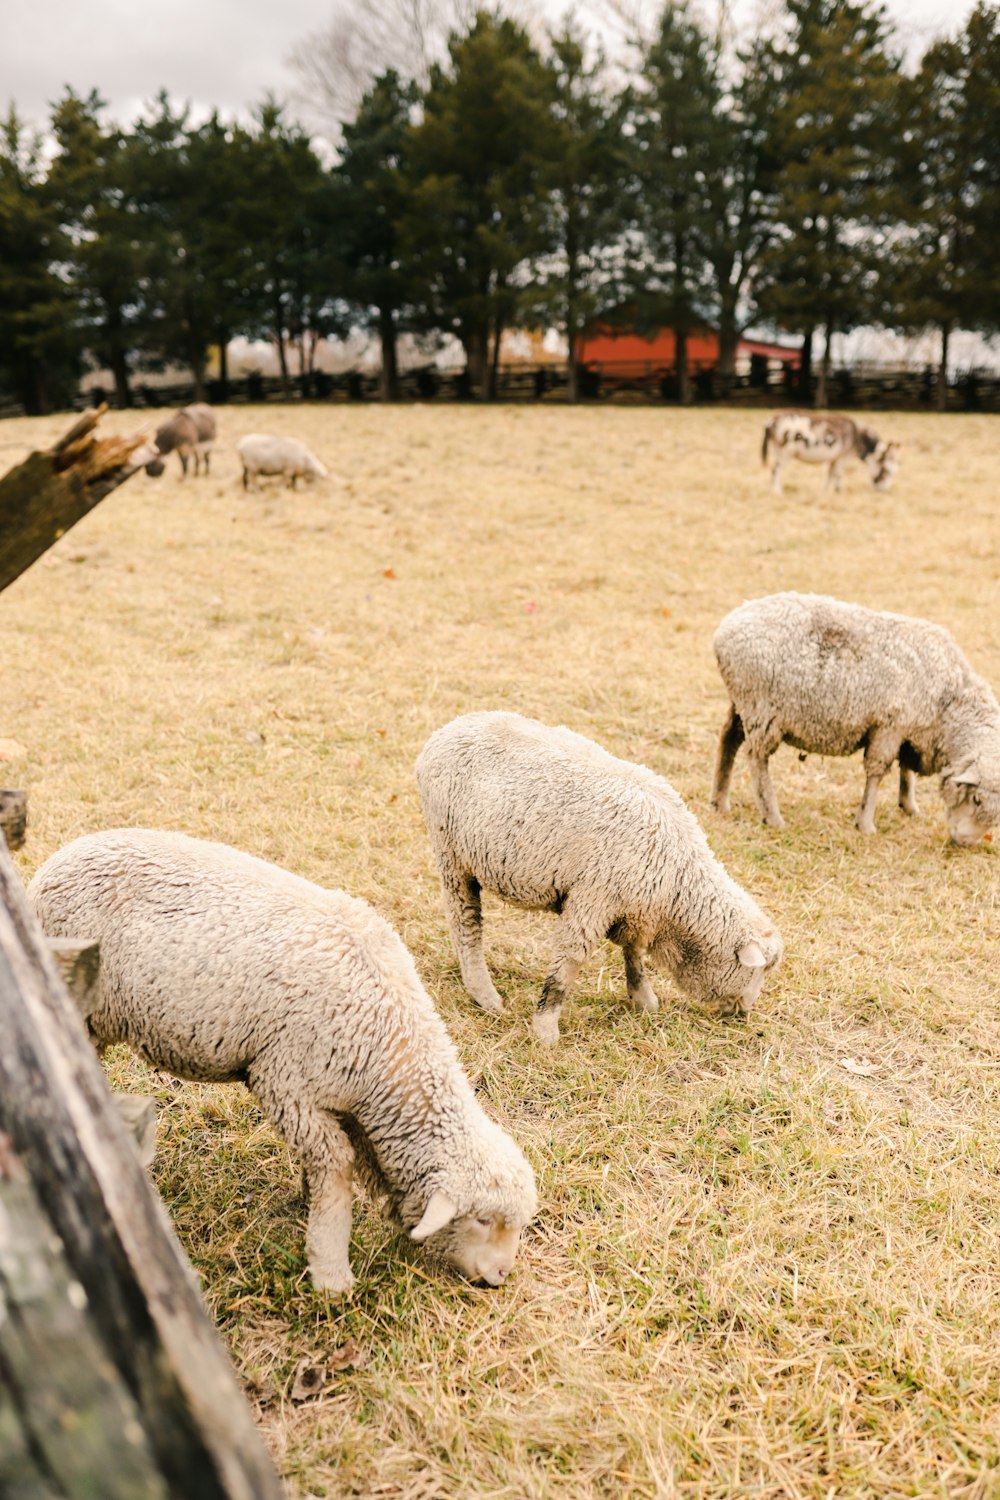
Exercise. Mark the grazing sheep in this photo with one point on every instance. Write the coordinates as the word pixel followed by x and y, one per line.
pixel 826 438
pixel 261 453
pixel 190 432
pixel 548 820
pixel 833 678
pixel 217 966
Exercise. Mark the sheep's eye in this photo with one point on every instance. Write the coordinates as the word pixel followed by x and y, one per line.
pixel 977 801
pixel 485 1223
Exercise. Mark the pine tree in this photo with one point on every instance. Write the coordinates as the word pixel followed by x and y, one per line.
pixel 476 176
pixel 369 204
pixel 831 133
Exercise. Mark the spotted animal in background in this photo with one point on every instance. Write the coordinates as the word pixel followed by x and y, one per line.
pixel 826 438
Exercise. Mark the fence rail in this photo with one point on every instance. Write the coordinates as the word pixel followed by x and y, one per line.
pixel 656 384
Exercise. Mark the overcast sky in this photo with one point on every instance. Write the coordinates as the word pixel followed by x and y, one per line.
pixel 222 52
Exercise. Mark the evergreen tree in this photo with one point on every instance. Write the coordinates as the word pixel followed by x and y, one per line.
pixel 476 175
pixel 675 131
pixel 588 164
pixel 832 135
pixel 39 336
pixel 86 190
pixel 370 198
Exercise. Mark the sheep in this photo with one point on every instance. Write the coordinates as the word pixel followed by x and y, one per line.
pixel 548 820
pixel 218 966
pixel 833 678
pixel 260 453
pixel 189 432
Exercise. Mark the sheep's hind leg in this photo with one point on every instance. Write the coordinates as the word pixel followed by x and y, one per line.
pixel 463 907
pixel 731 738
pixel 574 945
pixel 328 1162
pixel 759 752
pixel 640 991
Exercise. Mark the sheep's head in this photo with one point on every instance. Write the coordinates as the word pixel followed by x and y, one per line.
pixel 970 790
pixel 156 467
pixel 726 980
pixel 481 1239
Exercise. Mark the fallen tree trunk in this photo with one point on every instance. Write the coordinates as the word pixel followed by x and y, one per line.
pixel 47 494
pixel 90 1194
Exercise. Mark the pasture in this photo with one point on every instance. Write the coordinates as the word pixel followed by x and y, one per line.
pixel 766 1257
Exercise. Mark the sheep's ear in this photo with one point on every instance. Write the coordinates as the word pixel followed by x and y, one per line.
pixel 967 774
pixel 751 955
pixel 440 1211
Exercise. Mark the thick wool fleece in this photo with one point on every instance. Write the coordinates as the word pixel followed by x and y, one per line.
pixel 833 678
pixel 217 966
pixel 548 820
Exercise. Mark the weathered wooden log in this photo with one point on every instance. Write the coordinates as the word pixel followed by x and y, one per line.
pixel 69 1426
pixel 118 1244
pixel 43 497
pixel 13 817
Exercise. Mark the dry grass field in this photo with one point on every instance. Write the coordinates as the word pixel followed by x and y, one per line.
pixel 756 1271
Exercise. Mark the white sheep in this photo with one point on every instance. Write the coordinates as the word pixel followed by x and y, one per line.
pixel 833 678
pixel 218 966
pixel 261 453
pixel 548 820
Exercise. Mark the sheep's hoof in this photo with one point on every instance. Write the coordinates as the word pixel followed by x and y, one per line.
pixel 774 820
pixel 546 1027
pixel 863 827
pixel 492 1003
pixel 910 808
pixel 334 1281
pixel 643 999
pixel 721 805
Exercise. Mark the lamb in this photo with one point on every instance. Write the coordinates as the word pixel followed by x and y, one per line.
pixel 190 432
pixel 546 819
pixel 217 966
pixel 261 453
pixel 833 678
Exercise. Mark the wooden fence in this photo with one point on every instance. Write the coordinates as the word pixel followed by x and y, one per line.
pixel 865 387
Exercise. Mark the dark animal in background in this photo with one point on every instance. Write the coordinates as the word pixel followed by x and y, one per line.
pixel 189 433
pixel 827 438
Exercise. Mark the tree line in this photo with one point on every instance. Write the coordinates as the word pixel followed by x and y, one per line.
pixel 811 181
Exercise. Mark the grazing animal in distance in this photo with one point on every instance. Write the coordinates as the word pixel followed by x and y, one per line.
pixel 261 453
pixel 218 967
pixel 827 438
pixel 831 678
pixel 190 433
pixel 547 820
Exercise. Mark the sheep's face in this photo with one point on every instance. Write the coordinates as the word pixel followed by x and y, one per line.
pixel 482 1245
pixel 155 467
pixel 724 985
pixel 971 795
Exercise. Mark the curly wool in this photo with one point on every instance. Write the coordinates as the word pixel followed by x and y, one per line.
pixel 547 820
pixel 833 678
pixel 218 966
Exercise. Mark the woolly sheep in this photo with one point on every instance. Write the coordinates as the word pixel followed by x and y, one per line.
pixel 833 678
pixel 260 453
pixel 548 820
pixel 216 966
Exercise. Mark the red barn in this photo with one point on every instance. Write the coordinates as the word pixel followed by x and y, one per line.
pixel 619 352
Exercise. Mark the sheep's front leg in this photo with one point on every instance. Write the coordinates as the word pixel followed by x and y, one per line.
pixel 575 942
pixel 880 752
pixel 731 738
pixel 908 790
pixel 463 908
pixel 640 991
pixel 776 484
pixel 328 1163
